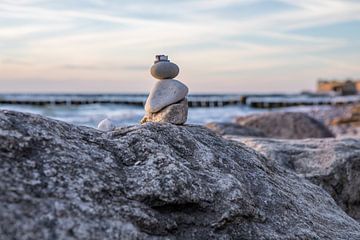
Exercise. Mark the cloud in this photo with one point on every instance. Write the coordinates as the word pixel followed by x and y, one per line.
pixel 107 37
pixel 107 67
pixel 10 61
pixel 80 67
pixel 136 67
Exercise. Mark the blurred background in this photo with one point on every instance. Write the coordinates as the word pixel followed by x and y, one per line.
pixel 242 55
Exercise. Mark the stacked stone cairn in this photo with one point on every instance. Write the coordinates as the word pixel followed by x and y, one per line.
pixel 167 99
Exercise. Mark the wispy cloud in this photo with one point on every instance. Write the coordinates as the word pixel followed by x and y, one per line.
pixel 107 38
pixel 11 61
pixel 105 67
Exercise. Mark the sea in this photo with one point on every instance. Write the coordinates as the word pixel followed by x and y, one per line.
pixel 124 115
pixel 121 114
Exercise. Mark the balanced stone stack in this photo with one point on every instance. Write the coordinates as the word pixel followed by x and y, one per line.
pixel 167 99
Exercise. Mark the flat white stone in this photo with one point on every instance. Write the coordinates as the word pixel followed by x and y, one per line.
pixel 164 93
pixel 106 125
pixel 164 70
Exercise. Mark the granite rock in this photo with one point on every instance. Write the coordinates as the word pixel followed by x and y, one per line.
pixel 175 113
pixel 289 125
pixel 226 128
pixel 164 70
pixel 164 93
pixel 333 164
pixel 333 117
pixel 151 181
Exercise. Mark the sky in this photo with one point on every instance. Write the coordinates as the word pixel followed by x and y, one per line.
pixel 222 46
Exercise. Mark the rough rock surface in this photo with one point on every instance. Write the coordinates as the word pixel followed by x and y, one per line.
pixel 347 124
pixel 330 114
pixel 353 119
pixel 164 93
pixel 151 181
pixel 175 113
pixel 226 128
pixel 290 125
pixel 334 164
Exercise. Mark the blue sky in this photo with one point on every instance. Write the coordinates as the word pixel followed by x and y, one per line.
pixel 220 46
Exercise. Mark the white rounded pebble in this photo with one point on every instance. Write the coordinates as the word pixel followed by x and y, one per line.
pixel 106 125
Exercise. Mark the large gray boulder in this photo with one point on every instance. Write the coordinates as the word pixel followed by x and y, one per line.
pixel 226 128
pixel 333 164
pixel 289 125
pixel 151 181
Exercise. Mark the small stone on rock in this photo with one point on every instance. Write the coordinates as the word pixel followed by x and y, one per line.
pixel 106 125
pixel 164 70
pixel 165 93
pixel 174 113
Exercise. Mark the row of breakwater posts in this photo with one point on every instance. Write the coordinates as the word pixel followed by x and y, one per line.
pixel 265 101
pixel 198 100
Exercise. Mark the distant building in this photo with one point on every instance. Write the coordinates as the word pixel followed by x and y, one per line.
pixel 357 83
pixel 346 87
